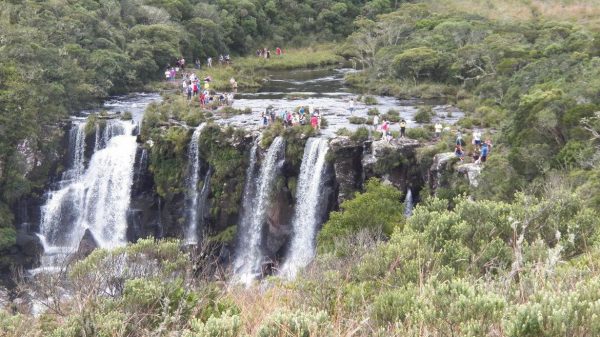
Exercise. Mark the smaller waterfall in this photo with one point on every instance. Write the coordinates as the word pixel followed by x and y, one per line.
pixel 76 153
pixel 191 235
pixel 308 199
pixel 408 203
pixel 249 257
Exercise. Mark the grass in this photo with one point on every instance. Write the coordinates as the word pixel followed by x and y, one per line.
pixel 250 70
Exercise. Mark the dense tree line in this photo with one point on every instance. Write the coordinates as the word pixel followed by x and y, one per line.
pixel 59 56
pixel 535 82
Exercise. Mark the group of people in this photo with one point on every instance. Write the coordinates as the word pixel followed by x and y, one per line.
pixel 266 53
pixel 192 86
pixel 481 149
pixel 289 118
pixel 384 128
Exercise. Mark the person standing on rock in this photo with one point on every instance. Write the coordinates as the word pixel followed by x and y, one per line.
pixel 314 122
pixel 438 129
pixel 484 153
pixel 459 140
pixel 402 128
pixel 375 122
pixel 351 108
pixel 477 139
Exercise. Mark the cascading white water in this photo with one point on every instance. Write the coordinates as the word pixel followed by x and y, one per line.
pixel 408 203
pixel 309 193
pixel 97 199
pixel 76 152
pixel 191 234
pixel 249 257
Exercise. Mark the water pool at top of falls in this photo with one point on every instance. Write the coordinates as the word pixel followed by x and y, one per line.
pixel 325 90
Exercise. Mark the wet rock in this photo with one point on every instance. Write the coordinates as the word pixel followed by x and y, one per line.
pixel 30 249
pixel 347 157
pixel 87 244
pixel 279 222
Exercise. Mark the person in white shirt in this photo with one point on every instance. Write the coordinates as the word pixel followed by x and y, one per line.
pixel 438 129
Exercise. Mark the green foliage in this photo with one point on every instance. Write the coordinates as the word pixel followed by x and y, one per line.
pixel 370 100
pixel 552 312
pixel 372 112
pixel 357 120
pixel 8 237
pixel 225 325
pixel 424 114
pixel 419 133
pixel 379 207
pixel 303 323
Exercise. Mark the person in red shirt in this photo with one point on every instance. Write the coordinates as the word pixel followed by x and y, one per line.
pixel 278 51
pixel 314 122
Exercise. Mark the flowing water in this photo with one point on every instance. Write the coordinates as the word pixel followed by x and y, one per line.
pixel 95 198
pixel 308 201
pixel 408 203
pixel 191 234
pixel 249 258
pixel 325 90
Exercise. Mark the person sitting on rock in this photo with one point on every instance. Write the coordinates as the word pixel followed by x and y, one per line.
pixel 458 151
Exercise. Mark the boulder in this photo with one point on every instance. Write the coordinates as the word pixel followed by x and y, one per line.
pixel 471 171
pixel 440 164
pixel 87 244
pixel 30 249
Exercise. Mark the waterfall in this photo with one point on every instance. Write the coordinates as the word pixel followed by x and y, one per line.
pixel 191 235
pixel 306 218
pixel 249 257
pixel 408 203
pixel 97 199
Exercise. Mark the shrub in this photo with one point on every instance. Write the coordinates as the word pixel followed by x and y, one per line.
pixel 357 120
pixel 419 133
pixel 126 116
pixel 360 135
pixel 225 325
pixel 554 312
pixel 424 114
pixel 393 112
pixel 373 112
pixel 391 118
pixel 378 207
pixel 370 100
pixel 302 323
pixel 395 305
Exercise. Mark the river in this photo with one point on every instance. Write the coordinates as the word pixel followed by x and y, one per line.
pixel 326 91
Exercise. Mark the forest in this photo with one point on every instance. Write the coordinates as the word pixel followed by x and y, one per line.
pixel 516 255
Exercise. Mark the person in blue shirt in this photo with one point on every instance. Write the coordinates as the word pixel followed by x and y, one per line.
pixel 484 152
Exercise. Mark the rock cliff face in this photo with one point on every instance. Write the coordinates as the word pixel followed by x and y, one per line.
pixel 349 163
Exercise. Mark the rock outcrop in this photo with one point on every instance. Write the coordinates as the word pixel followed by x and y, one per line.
pixel 347 163
pixel 392 161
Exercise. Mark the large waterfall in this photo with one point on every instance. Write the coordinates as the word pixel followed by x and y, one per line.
pixel 96 199
pixel 308 201
pixel 249 257
pixel 191 235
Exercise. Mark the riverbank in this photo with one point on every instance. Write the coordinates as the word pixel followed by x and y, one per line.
pixel 250 71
